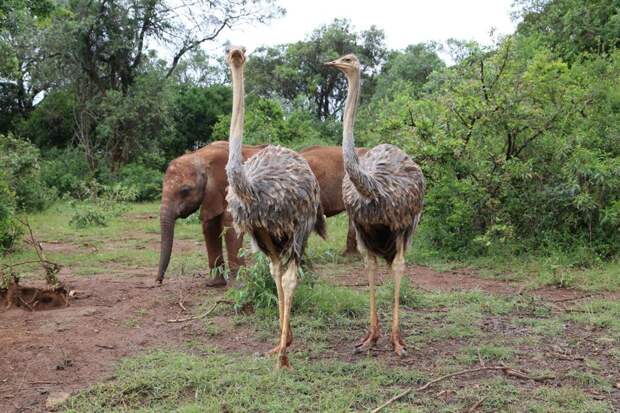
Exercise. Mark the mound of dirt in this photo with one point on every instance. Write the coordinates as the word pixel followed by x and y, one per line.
pixel 33 298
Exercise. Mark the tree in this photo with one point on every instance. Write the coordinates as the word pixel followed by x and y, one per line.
pixel 196 111
pixel 103 49
pixel 413 65
pixel 571 27
pixel 507 141
pixel 22 59
pixel 295 73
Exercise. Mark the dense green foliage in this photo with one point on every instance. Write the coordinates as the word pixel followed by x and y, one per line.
pixel 519 141
pixel 9 228
pixel 19 161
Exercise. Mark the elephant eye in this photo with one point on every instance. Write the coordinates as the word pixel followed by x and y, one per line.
pixel 185 191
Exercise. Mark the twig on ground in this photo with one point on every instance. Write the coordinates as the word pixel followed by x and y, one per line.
pixel 203 315
pixel 105 346
pixel 25 303
pixel 581 297
pixel 509 371
pixel 480 358
pixel 477 404
pixel 567 357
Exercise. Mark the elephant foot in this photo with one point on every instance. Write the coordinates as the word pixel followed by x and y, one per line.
pixel 217 281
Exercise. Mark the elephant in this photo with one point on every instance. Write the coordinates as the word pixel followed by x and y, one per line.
pixel 198 180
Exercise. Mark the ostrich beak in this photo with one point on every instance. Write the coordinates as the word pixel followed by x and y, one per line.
pixel 330 64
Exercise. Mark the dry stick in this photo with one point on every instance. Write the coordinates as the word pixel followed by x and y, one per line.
pixel 505 369
pixel 51 268
pixel 480 358
pixel 203 315
pixel 477 404
pixel 25 303
pixel 562 300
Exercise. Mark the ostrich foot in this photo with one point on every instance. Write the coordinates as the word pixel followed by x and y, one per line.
pixel 289 340
pixel 398 344
pixel 217 281
pixel 283 362
pixel 368 341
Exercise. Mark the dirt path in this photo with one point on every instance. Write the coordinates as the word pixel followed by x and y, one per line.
pixel 68 349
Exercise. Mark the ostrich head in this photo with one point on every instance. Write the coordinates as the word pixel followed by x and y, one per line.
pixel 235 55
pixel 349 64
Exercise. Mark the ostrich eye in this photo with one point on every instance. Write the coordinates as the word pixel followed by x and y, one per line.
pixel 347 60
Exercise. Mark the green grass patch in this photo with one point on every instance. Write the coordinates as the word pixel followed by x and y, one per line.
pixel 176 381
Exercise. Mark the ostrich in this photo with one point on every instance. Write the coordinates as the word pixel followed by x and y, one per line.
pixel 275 198
pixel 383 195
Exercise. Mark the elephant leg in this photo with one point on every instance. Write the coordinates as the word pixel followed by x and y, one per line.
pixel 234 242
pixel 212 230
pixel 351 248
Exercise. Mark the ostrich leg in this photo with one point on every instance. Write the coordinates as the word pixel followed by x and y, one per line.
pixel 276 273
pixel 374 332
pixel 398 268
pixel 289 282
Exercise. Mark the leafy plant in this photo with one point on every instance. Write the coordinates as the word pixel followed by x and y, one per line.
pixel 10 230
pixel 19 160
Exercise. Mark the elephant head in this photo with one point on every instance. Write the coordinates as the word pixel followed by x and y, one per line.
pixel 182 194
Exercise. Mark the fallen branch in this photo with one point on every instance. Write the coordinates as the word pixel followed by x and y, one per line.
pixel 203 315
pixel 504 369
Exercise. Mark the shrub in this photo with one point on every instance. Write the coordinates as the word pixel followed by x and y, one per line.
pixel 9 228
pixel 146 182
pixel 88 215
pixel 257 287
pixel 66 171
pixel 19 160
pixel 103 204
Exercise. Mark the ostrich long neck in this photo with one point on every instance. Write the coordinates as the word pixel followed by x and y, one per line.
pixel 234 169
pixel 359 178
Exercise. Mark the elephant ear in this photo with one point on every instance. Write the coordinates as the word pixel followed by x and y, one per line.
pixel 214 200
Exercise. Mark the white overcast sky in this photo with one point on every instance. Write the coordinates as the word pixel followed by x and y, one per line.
pixel 404 22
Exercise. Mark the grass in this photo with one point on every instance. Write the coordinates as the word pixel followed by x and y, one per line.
pixel 446 331
pixel 123 244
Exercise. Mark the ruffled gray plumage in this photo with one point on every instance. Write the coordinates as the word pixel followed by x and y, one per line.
pixel 279 195
pixel 385 199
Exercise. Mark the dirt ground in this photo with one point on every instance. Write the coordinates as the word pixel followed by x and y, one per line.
pixel 64 350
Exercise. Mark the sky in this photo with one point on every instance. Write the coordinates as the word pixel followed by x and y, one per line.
pixel 404 22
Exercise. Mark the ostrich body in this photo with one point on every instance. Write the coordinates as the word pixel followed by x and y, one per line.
pixel 383 195
pixel 275 198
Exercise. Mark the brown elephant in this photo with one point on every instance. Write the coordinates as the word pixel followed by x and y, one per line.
pixel 198 180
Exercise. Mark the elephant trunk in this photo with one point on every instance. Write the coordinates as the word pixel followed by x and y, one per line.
pixel 167 220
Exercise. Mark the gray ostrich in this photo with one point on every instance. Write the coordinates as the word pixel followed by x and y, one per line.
pixel 275 198
pixel 383 195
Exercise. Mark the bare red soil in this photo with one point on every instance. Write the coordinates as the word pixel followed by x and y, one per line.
pixel 111 317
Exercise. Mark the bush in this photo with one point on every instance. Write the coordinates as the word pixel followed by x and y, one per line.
pixel 88 215
pixel 103 204
pixel 9 227
pixel 145 181
pixel 66 171
pixel 19 160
